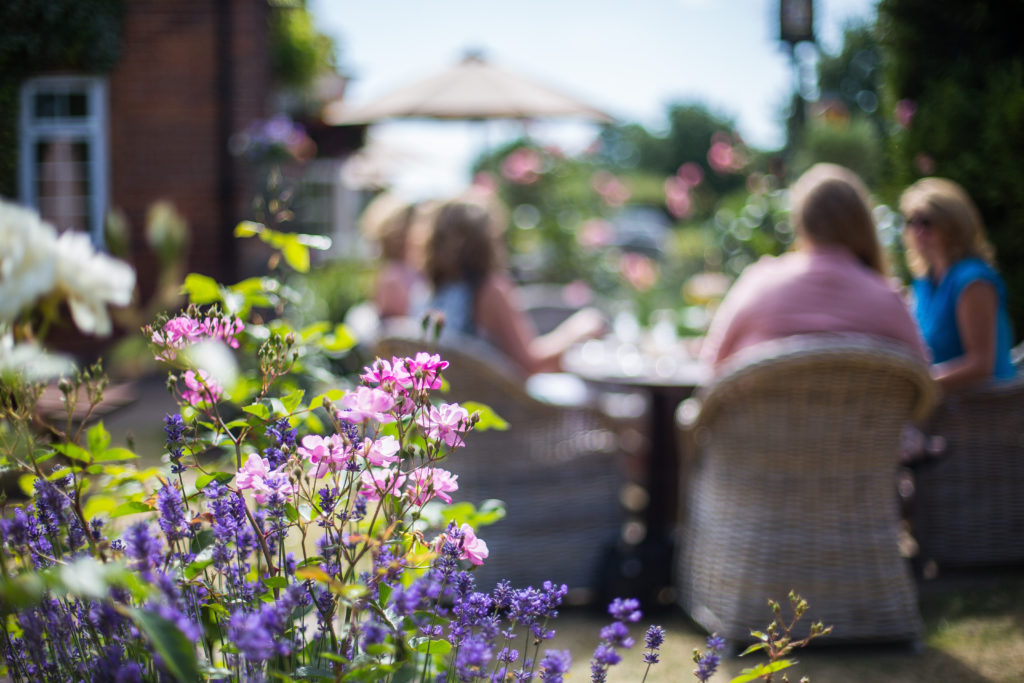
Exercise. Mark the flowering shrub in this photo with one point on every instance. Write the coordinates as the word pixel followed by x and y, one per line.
pixel 288 538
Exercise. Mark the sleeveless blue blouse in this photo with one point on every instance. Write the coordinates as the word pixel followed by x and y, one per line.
pixel 935 312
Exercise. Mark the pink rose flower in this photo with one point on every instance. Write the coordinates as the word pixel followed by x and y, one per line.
pixel 327 453
pixel 269 485
pixel 254 469
pixel 378 483
pixel 471 547
pixel 200 388
pixel 366 403
pixel 426 482
pixel 446 422
pixel 424 370
pixel 382 452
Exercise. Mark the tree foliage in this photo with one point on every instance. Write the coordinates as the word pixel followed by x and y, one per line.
pixel 691 127
pixel 961 72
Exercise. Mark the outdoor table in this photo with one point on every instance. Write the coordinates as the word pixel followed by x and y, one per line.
pixel 667 375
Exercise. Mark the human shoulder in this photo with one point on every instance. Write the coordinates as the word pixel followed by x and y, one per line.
pixel 969 270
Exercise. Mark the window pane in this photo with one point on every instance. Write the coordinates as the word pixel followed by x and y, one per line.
pixel 45 106
pixel 63 187
pixel 78 105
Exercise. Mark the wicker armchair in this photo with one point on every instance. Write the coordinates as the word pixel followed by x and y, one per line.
pixel 556 468
pixel 793 488
pixel 968 506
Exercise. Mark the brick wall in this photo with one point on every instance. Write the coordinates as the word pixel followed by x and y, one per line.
pixel 168 100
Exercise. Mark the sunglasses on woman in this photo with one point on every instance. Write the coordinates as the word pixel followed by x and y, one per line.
pixel 919 221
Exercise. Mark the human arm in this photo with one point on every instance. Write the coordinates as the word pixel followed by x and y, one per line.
pixel 976 322
pixel 501 317
pixel 392 293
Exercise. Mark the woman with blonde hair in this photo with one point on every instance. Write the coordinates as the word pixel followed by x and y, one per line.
pixel 833 281
pixel 959 299
pixel 465 264
pixel 389 222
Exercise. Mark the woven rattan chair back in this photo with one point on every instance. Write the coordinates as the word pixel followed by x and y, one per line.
pixel 794 489
pixel 556 468
pixel 968 504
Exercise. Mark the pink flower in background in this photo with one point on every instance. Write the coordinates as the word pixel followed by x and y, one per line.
pixel 905 110
pixel 677 197
pixel 426 482
pixel 327 453
pixel 691 174
pixel 446 422
pixel 379 483
pixel 365 404
pixel 522 166
pixel 594 233
pixel 724 156
pixel 382 451
pixel 176 334
pixel 638 270
pixel 473 549
pixel 200 388
pixel 383 373
pixel 612 190
pixel 486 181
pixel 224 329
pixel 424 370
pixel 253 471
pixel 268 484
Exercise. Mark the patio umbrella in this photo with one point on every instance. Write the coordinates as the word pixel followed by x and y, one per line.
pixel 472 89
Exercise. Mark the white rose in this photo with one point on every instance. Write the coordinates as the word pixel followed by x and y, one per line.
pixel 91 281
pixel 27 268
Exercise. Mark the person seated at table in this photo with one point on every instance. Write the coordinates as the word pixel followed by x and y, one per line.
pixel 400 286
pixel 833 281
pixel 959 299
pixel 473 292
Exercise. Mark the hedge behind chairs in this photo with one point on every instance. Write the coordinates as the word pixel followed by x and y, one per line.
pixel 794 488
pixel 557 468
pixel 969 503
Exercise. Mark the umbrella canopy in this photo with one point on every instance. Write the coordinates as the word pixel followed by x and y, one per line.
pixel 472 89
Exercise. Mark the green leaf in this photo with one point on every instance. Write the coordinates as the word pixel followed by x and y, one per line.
pixel 488 418
pixel 99 504
pixel 177 652
pixel 86 577
pixel 73 451
pixel 331 395
pixel 27 483
pixel 201 289
pixel 424 644
pixel 249 229
pixel 340 341
pixel 296 255
pixel 761 670
pixel 196 566
pixel 130 508
pixel 258 409
pixel 203 480
pixel 276 582
pixel 293 400
pixel 98 439
pixel 754 648
pixel 113 454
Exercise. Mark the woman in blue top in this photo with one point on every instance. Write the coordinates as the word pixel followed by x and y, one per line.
pixel 959 298
pixel 476 296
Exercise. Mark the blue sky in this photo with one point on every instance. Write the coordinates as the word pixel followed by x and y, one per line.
pixel 629 57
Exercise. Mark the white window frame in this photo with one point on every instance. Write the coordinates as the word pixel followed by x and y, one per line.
pixel 92 129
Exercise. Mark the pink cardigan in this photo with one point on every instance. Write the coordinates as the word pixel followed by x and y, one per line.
pixel 817 289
